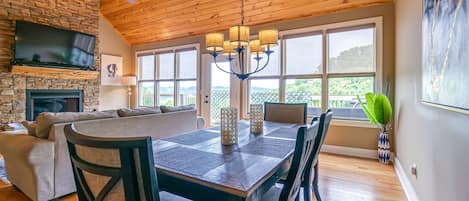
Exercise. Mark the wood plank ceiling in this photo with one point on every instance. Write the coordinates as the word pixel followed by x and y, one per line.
pixel 156 20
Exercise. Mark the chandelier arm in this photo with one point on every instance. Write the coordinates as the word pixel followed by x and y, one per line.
pixel 216 64
pixel 258 62
pixel 266 63
pixel 241 63
pixel 231 67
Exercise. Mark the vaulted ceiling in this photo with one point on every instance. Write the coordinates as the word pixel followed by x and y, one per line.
pixel 147 21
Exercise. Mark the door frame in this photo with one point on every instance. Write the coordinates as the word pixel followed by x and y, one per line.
pixel 205 89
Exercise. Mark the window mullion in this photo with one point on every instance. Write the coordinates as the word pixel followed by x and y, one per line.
pixel 325 64
pixel 176 76
pixel 282 71
pixel 156 76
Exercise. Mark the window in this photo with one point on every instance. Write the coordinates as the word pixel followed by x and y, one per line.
pixel 326 67
pixel 167 77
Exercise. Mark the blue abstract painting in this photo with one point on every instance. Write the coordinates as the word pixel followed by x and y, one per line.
pixel 445 73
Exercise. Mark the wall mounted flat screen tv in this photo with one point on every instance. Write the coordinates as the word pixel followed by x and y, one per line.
pixel 40 45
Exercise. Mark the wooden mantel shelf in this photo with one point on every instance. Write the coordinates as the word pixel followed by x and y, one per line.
pixel 54 73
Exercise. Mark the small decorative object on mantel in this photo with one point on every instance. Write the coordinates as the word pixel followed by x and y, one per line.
pixel 378 109
pixel 111 69
pixel 256 118
pixel 229 126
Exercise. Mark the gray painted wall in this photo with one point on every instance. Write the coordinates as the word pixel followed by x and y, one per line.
pixel 436 140
pixel 111 42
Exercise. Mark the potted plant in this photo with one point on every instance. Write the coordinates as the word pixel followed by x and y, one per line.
pixel 378 109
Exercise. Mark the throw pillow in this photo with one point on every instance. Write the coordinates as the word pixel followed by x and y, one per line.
pixel 125 112
pixel 30 126
pixel 166 109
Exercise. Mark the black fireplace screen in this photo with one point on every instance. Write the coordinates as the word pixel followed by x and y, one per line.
pixel 38 101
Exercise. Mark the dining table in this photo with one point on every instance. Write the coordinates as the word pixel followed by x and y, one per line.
pixel 197 166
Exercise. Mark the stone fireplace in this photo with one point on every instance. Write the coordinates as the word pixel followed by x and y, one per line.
pixel 54 100
pixel 82 16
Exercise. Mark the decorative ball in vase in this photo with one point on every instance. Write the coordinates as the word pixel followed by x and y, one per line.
pixel 378 109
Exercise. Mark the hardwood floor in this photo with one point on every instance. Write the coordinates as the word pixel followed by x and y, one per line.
pixel 342 178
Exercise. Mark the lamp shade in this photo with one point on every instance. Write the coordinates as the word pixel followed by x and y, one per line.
pixel 214 41
pixel 268 38
pixel 228 48
pixel 129 80
pixel 239 35
pixel 255 47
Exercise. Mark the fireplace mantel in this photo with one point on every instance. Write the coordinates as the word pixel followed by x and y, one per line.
pixel 54 73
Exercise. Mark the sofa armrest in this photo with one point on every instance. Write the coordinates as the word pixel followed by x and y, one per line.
pixel 29 148
pixel 200 122
pixel 29 164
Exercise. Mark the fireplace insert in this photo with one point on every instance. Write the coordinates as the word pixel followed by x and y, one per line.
pixel 52 100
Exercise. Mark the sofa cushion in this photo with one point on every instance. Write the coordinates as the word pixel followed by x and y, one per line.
pixel 125 112
pixel 166 109
pixel 46 119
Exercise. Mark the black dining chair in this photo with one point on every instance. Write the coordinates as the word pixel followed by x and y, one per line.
pixel 311 175
pixel 304 146
pixel 114 168
pixel 286 112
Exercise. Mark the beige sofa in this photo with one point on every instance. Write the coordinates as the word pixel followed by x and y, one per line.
pixel 41 167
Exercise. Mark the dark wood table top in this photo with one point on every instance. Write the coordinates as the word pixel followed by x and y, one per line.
pixel 200 158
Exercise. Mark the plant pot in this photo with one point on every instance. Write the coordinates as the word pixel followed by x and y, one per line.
pixel 384 148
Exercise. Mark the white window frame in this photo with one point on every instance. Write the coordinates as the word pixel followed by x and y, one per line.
pixel 322 29
pixel 175 78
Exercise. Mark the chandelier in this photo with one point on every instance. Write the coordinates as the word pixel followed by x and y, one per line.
pixel 237 46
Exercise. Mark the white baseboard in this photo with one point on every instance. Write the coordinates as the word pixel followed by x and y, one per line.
pixel 406 185
pixel 350 151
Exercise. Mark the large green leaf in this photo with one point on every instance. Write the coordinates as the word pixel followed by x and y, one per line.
pixel 382 109
pixel 366 110
pixel 370 102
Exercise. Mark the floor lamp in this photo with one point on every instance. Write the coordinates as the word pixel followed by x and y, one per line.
pixel 129 81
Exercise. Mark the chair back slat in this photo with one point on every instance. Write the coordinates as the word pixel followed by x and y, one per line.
pixel 285 112
pixel 303 149
pixel 112 168
pixel 324 121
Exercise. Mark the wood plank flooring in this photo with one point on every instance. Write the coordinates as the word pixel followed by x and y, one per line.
pixel 342 178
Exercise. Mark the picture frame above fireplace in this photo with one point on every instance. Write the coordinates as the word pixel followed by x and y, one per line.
pixel 111 69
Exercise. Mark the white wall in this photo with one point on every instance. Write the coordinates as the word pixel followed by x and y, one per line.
pixel 436 140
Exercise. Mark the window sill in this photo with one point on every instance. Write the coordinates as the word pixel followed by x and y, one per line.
pixel 352 123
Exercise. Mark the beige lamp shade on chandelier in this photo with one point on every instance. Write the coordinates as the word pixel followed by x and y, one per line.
pixel 238 44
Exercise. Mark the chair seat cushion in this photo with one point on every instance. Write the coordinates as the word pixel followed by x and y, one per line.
pixel 165 196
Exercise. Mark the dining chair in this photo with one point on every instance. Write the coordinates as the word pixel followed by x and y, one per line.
pixel 311 175
pixel 310 178
pixel 304 146
pixel 114 168
pixel 285 112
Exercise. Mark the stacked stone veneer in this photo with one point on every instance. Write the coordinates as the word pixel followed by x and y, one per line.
pixel 77 15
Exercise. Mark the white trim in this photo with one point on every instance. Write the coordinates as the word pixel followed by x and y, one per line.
pixel 350 151
pixel 406 185
pixel 352 123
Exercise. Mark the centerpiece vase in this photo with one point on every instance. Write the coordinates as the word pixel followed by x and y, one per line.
pixel 384 147
pixel 256 118
pixel 229 126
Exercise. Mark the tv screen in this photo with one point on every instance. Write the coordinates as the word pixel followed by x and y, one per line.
pixel 48 46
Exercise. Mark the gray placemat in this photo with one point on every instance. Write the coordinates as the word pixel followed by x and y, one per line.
pixel 241 126
pixel 189 161
pixel 271 147
pixel 193 137
pixel 284 133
